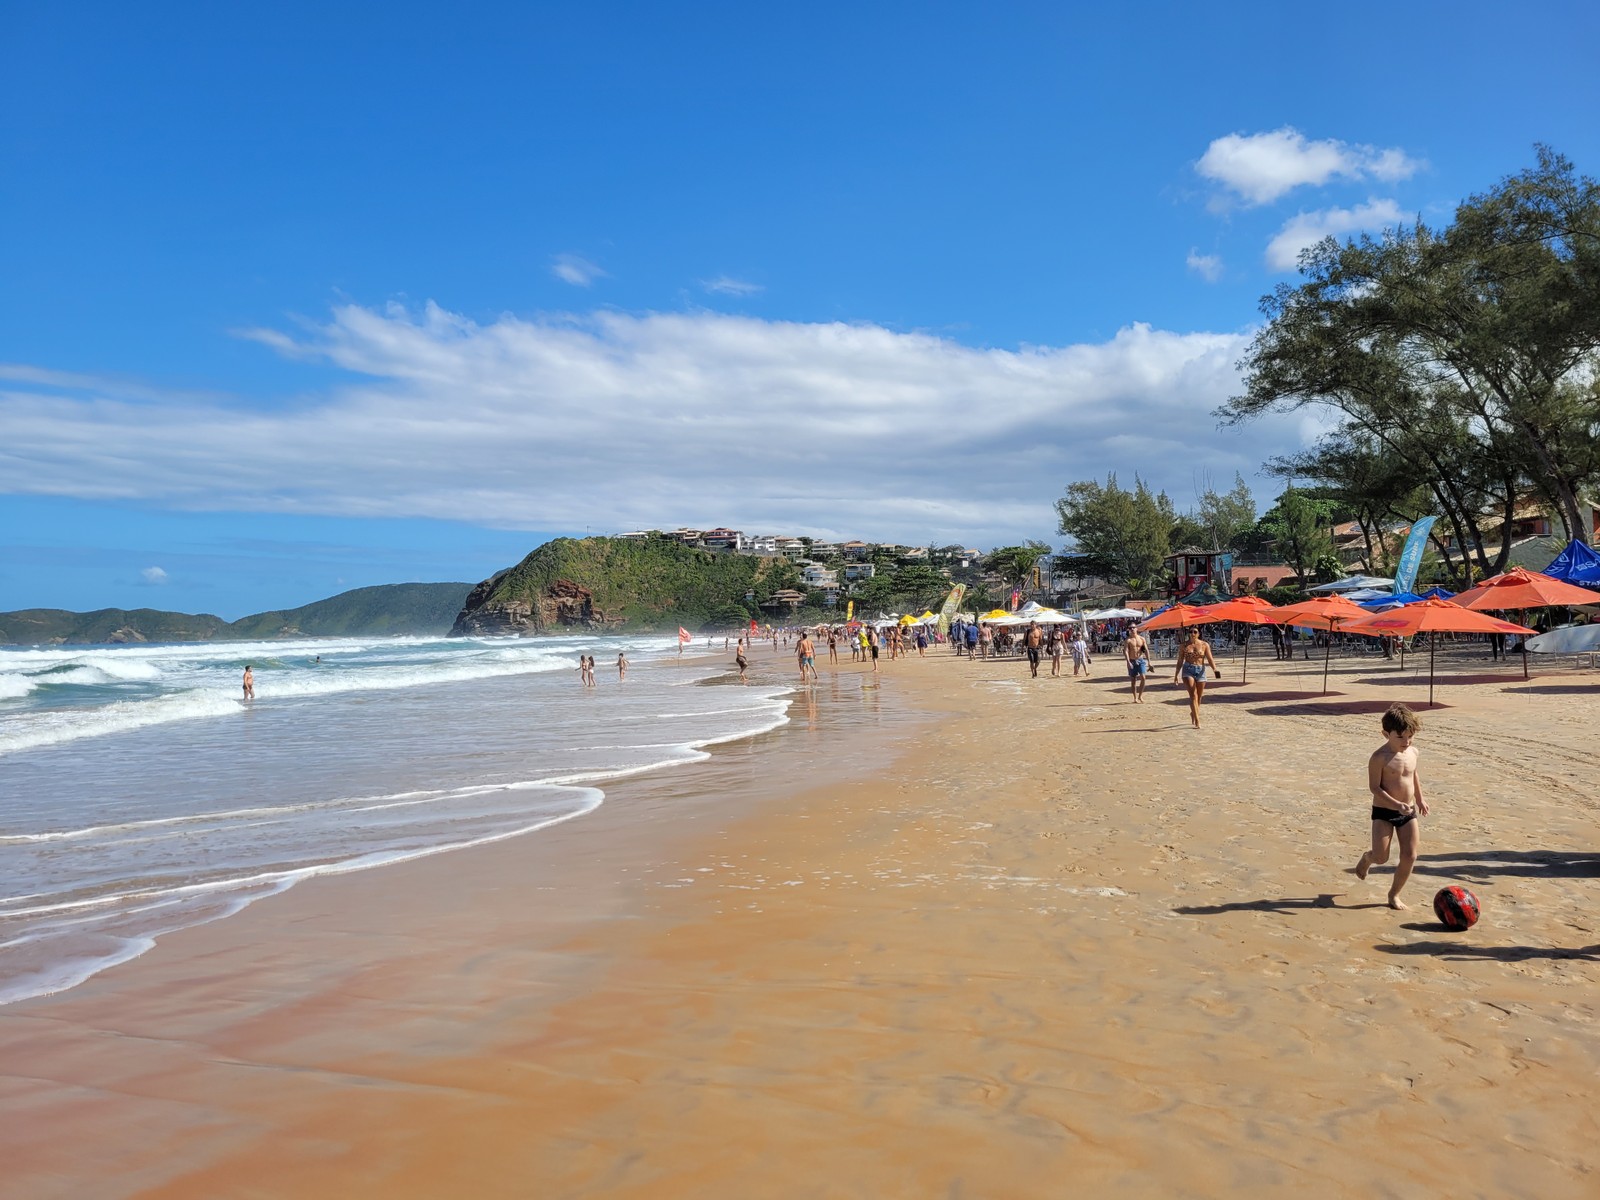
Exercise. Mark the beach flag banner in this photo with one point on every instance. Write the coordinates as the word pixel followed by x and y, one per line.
pixel 849 611
pixel 947 610
pixel 752 624
pixel 1016 599
pixel 684 635
pixel 1411 554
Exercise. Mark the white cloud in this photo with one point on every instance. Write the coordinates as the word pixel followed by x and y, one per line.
pixel 575 269
pixel 617 421
pixel 729 286
pixel 1260 167
pixel 153 575
pixel 1207 266
pixel 1308 228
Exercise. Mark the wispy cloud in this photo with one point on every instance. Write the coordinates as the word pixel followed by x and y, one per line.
pixel 1308 228
pixel 575 269
pixel 616 421
pixel 729 286
pixel 1207 266
pixel 154 576
pixel 1260 167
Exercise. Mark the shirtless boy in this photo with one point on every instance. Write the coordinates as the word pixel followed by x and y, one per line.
pixel 741 662
pixel 1396 799
pixel 1137 653
pixel 249 684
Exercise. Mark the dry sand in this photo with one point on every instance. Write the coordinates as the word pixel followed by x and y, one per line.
pixel 1011 938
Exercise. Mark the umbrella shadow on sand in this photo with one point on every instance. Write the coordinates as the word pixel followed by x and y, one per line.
pixel 1339 708
pixel 1285 904
pixel 1556 689
pixel 1490 864
pixel 1252 697
pixel 1462 950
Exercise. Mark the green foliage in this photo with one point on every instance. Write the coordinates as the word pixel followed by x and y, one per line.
pixel 1284 593
pixel 1015 564
pixel 653 583
pixel 1126 535
pixel 1298 527
pixel 1225 516
pixel 1464 355
pixel 726 618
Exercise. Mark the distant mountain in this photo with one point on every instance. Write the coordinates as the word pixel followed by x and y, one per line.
pixel 391 608
pixel 394 608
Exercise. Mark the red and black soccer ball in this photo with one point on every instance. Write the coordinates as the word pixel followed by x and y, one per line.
pixel 1456 907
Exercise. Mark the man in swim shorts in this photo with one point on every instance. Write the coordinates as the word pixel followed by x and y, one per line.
pixel 805 651
pixel 1033 640
pixel 1137 653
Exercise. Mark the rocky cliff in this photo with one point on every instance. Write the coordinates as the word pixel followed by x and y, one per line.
pixel 560 604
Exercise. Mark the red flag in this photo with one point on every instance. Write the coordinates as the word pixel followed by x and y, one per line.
pixel 752 624
pixel 684 635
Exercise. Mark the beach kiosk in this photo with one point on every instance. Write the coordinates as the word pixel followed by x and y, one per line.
pixel 1206 575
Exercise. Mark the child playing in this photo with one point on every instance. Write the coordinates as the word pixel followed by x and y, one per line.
pixel 1396 799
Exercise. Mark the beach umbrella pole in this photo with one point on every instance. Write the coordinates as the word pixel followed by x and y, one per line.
pixel 1245 676
pixel 1432 637
pixel 1327 655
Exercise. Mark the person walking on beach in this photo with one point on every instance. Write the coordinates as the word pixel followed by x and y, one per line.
pixel 1034 641
pixel 1080 652
pixel 1396 800
pixel 741 662
pixel 622 665
pixel 871 635
pixel 805 650
pixel 249 683
pixel 833 646
pixel 1194 657
pixel 1137 651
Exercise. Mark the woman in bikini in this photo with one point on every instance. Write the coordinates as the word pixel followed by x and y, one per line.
pixel 1194 657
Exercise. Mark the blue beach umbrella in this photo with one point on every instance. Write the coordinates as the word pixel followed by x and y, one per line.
pixel 1379 603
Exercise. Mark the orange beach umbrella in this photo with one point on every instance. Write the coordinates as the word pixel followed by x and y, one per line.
pixel 1519 588
pixel 1430 616
pixel 1248 610
pixel 1320 612
pixel 1179 616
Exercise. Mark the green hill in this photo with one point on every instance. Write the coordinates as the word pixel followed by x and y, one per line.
pixel 611 583
pixel 396 608
pixel 37 626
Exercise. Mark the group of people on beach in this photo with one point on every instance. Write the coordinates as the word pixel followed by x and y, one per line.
pixel 586 668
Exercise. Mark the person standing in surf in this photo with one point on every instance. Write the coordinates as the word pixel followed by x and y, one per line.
pixel 249 683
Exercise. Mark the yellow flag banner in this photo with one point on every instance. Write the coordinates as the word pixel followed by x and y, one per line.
pixel 849 611
pixel 952 602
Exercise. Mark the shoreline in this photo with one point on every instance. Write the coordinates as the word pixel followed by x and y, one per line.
pixel 996 946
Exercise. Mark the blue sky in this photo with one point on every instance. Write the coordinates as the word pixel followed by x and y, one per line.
pixel 321 296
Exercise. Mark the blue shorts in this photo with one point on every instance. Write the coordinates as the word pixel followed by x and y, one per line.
pixel 1194 671
pixel 1137 667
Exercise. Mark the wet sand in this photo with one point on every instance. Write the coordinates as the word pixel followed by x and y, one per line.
pixel 961 934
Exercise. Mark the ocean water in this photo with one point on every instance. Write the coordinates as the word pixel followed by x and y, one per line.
pixel 139 794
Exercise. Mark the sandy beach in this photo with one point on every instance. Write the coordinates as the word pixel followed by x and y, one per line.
pixel 952 932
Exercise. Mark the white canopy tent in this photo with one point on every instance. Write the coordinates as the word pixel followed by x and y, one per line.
pixel 1356 583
